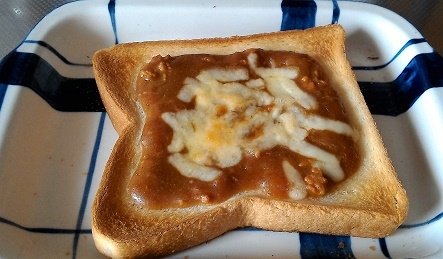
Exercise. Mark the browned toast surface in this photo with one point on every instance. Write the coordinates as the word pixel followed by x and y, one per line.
pixel 369 203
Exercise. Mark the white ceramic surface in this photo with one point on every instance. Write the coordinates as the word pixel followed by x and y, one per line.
pixel 51 161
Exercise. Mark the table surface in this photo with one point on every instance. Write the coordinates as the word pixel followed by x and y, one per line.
pixel 18 17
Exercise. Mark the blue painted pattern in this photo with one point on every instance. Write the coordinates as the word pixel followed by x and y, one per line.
pixel 335 12
pixel 409 43
pixel 55 52
pixel 111 9
pixel 434 219
pixel 3 88
pixel 325 246
pixel 298 14
pixel 396 97
pixel 62 93
pixel 384 247
pixel 45 230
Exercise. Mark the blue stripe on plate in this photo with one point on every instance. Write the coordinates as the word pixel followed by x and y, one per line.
pixel 335 12
pixel 3 88
pixel 62 93
pixel 301 14
pixel 384 247
pixel 407 44
pixel 88 182
pixel 298 14
pixel 393 98
pixel 111 9
pixel 434 219
pixel 45 230
pixel 58 54
pixel 325 246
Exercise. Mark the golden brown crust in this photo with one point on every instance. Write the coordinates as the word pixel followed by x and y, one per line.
pixel 372 203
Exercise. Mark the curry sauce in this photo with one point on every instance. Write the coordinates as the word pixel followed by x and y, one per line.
pixel 258 121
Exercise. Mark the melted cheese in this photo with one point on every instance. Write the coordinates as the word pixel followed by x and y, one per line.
pixel 298 190
pixel 233 116
pixel 193 170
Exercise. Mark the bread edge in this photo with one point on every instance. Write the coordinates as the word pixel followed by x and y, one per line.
pixel 116 68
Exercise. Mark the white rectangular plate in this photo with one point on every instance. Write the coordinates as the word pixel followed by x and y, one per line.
pixel 55 137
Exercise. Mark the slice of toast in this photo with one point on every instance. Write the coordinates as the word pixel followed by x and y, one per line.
pixel 369 203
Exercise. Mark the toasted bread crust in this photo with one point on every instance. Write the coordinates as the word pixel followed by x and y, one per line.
pixel 371 203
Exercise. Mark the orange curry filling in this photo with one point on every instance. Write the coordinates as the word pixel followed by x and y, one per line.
pixel 175 172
